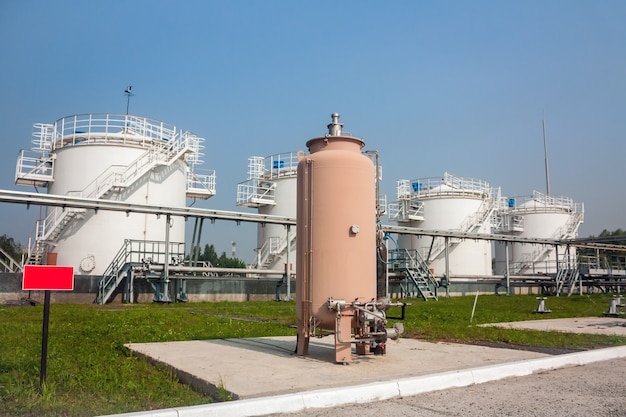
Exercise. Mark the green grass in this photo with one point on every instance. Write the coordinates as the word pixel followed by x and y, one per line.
pixel 90 372
pixel 449 320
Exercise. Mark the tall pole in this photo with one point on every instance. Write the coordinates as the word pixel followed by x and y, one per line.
pixel 545 151
pixel 128 93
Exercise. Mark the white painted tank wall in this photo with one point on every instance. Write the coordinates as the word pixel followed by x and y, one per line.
pixel 101 235
pixel 448 213
pixel 537 224
pixel 285 196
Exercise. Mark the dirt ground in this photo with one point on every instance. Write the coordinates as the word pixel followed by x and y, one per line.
pixel 597 389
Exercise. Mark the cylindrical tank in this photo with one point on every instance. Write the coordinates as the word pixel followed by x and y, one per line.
pixel 336 230
pixel 271 189
pixel 281 176
pixel 452 203
pixel 539 216
pixel 112 162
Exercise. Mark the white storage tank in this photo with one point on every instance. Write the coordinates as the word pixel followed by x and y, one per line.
pixel 117 157
pixel 537 216
pixel 447 203
pixel 271 188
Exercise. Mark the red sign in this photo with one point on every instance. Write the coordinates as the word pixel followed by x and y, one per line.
pixel 48 277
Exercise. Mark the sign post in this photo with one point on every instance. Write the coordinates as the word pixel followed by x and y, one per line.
pixel 47 278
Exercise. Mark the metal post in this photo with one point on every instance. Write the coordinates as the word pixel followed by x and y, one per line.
pixel 386 269
pixel 556 255
pixel 287 268
pixel 447 254
pixel 44 338
pixel 166 272
pixel 507 271
pixel 131 284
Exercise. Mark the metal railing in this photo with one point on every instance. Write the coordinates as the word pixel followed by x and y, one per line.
pixel 103 128
pixel 34 167
pixel 165 144
pixel 406 211
pixel 258 189
pixel 539 203
pixel 416 270
pixel 135 252
pixel 8 264
pixel 254 193
pixel 449 184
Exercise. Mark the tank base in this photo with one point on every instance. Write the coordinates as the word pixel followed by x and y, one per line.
pixel 302 343
pixel 343 350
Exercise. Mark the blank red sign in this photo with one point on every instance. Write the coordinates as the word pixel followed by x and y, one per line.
pixel 48 277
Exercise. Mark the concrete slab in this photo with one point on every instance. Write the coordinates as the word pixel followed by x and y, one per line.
pixel 266 366
pixel 268 378
pixel 586 325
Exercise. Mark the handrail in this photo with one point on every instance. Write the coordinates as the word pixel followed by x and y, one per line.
pixel 255 191
pixel 273 246
pixel 8 263
pixel 118 176
pixel 136 251
pixel 449 184
pixel 98 127
pixel 539 202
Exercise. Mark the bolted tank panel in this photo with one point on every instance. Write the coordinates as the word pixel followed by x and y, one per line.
pixel 336 229
pixel 453 204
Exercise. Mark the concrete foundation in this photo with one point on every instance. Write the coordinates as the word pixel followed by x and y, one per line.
pixel 209 289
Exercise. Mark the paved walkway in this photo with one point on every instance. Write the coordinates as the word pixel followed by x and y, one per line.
pixel 266 376
pixel 587 325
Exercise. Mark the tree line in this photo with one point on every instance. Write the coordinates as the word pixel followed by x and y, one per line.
pixel 14 249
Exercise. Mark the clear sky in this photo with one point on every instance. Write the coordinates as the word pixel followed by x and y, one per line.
pixel 434 86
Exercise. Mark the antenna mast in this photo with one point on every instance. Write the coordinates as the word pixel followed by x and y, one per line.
pixel 129 94
pixel 545 151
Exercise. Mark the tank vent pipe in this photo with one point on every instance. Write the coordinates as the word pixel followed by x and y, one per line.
pixel 334 128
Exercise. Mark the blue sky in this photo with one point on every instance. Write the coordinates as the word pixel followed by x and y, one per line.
pixel 434 86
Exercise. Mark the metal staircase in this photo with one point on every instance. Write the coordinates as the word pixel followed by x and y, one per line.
pixel 273 248
pixel 8 264
pixel 471 223
pixel 114 178
pixel 416 277
pixel 567 231
pixel 114 274
pixel 135 253
pixel 566 278
pixel 164 145
pixel 408 208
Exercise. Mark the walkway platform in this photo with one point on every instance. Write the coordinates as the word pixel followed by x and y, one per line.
pixel 587 325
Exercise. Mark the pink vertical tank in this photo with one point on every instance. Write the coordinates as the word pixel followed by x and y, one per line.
pixel 336 237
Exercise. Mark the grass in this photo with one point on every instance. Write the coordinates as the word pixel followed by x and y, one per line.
pixel 90 372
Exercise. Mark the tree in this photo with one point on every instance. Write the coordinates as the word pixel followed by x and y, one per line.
pixel 607 258
pixel 210 255
pixel 11 247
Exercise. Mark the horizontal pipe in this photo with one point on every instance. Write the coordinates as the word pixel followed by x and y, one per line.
pixel 178 268
pixel 8 196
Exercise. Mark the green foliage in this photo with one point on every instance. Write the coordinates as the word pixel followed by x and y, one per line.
pixel 606 259
pixel 210 256
pixel 11 247
pixel 90 372
pixel 86 354
pixel 449 319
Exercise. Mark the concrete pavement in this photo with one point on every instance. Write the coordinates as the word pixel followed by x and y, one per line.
pixel 266 376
